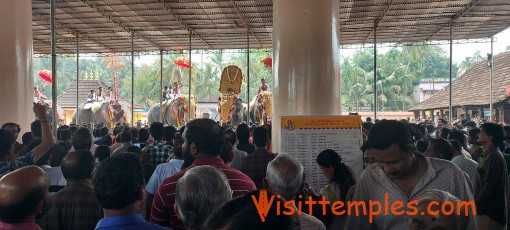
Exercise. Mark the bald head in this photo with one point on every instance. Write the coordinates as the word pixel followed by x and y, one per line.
pixel 206 134
pixel 21 194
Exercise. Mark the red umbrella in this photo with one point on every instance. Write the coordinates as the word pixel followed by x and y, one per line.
pixel 182 62
pixel 45 75
pixel 268 62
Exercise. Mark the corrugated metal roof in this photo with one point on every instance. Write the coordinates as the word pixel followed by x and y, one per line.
pixel 106 26
pixel 472 87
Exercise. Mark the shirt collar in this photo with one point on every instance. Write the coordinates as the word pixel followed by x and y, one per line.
pixel 430 174
pixel 155 142
pixel 208 161
pixel 176 160
pixel 489 150
pixel 432 170
pixel 120 220
pixel 80 183
pixel 262 150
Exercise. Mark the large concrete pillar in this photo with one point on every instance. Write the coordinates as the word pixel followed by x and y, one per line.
pixel 16 87
pixel 306 66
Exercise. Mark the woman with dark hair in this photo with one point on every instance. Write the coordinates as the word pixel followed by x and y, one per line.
pixel 339 175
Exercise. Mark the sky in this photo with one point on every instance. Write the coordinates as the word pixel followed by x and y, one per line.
pixel 460 51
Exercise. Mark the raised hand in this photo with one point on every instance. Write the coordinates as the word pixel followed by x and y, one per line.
pixel 40 111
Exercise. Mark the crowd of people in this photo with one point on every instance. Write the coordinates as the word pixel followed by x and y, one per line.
pixel 205 176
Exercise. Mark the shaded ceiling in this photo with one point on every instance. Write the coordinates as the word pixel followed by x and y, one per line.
pixel 106 26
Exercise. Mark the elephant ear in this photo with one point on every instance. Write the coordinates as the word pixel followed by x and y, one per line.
pixel 164 105
pixel 87 106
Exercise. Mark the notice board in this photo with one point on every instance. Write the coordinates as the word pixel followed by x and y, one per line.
pixel 304 137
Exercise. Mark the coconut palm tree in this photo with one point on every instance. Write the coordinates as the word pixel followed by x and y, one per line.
pixel 208 82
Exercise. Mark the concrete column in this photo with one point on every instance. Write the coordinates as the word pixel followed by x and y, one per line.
pixel 16 87
pixel 306 68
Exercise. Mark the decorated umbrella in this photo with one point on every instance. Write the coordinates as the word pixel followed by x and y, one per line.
pixel 268 62
pixel 182 62
pixel 45 75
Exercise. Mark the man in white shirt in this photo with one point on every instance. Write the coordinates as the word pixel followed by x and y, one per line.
pixel 91 97
pixel 99 94
pixel 467 165
pixel 462 139
pixel 50 163
pixel 176 91
pixel 436 119
pixel 400 174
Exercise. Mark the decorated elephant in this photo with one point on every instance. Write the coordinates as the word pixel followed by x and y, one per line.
pixel 101 112
pixel 231 109
pixel 174 111
pixel 261 108
pixel 239 113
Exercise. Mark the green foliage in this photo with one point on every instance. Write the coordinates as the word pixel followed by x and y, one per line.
pixel 205 78
pixel 66 72
pixel 398 71
pixel 469 62
pixel 257 71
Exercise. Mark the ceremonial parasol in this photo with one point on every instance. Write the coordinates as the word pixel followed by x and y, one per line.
pixel 182 62
pixel 268 62
pixel 45 75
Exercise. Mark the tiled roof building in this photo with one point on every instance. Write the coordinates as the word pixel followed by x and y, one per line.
pixel 471 91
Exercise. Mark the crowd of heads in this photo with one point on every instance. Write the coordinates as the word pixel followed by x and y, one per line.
pixel 204 197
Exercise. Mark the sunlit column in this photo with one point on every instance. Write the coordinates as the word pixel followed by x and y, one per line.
pixel 16 87
pixel 305 60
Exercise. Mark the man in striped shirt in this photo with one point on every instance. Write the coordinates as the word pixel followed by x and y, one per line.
pixel 491 201
pixel 203 140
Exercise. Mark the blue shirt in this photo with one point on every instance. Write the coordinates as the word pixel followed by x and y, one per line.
pixel 127 222
pixel 161 173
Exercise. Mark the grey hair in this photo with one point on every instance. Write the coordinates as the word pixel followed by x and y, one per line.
pixel 284 176
pixel 461 221
pixel 200 191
